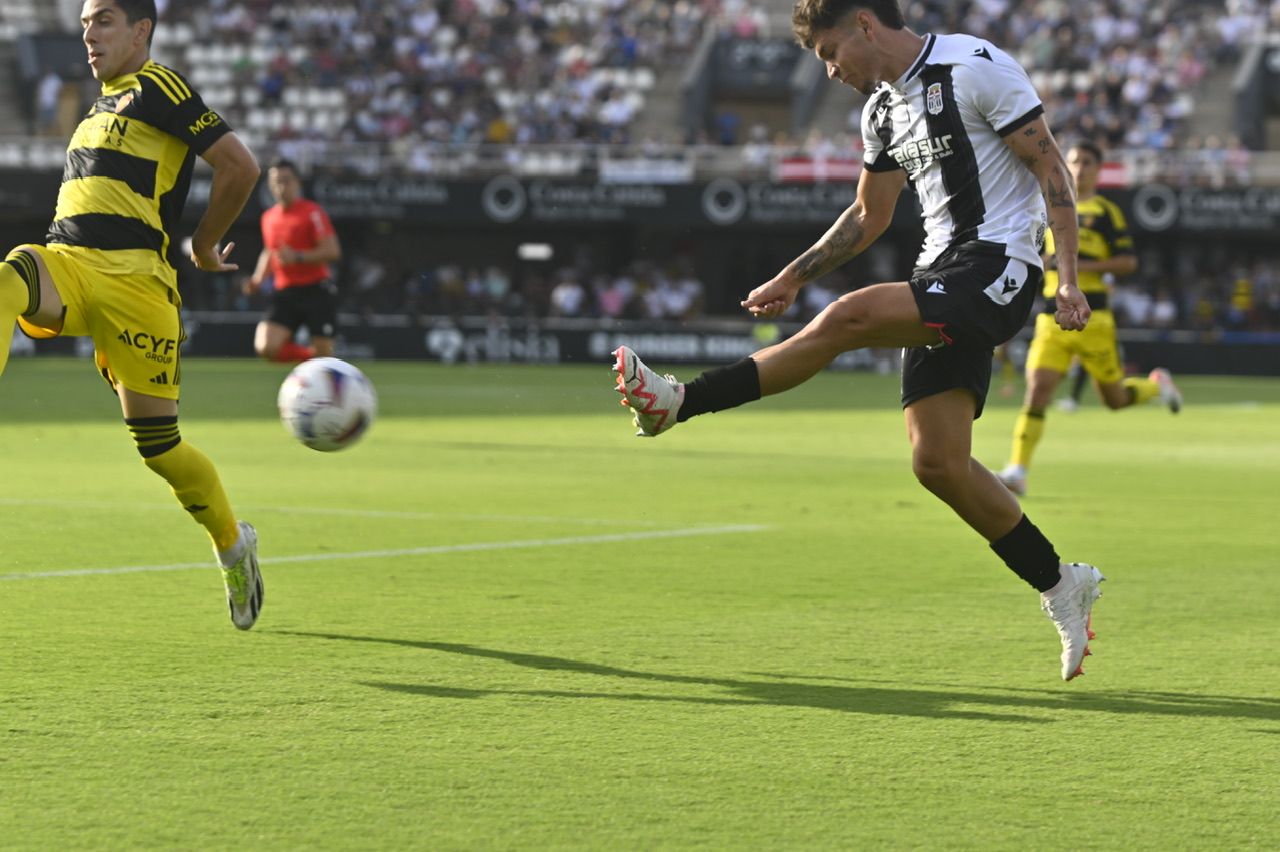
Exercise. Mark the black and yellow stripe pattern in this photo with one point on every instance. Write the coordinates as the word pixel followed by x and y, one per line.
pixel 30 275
pixel 168 80
pixel 128 170
pixel 154 435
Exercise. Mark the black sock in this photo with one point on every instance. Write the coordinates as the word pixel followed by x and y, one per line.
pixel 1029 555
pixel 720 388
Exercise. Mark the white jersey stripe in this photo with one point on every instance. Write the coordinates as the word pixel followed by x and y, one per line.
pixel 942 123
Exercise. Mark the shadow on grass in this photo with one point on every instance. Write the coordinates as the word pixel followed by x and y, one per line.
pixel 992 705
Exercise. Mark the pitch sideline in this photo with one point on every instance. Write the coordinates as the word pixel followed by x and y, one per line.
pixel 515 544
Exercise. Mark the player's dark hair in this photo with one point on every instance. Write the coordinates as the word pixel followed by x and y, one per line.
pixel 1089 148
pixel 813 16
pixel 139 10
pixel 285 163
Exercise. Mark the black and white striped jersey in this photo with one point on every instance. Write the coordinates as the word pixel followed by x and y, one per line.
pixel 944 123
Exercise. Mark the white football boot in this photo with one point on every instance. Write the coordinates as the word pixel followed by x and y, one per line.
pixel 1070 606
pixel 653 399
pixel 1014 478
pixel 1169 393
pixel 244 581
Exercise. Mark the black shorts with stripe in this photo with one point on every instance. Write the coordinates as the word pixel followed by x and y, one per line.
pixel 312 305
pixel 977 298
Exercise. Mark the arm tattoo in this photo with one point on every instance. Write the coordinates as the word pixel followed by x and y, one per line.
pixel 837 247
pixel 1044 146
pixel 1059 196
pixel 811 262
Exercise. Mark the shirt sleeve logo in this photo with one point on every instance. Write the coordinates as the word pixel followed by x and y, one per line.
pixel 933 99
pixel 204 122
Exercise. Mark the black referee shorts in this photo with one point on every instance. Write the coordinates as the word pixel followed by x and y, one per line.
pixel 977 298
pixel 312 305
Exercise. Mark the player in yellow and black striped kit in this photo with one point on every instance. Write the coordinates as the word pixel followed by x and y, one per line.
pixel 1106 248
pixel 109 269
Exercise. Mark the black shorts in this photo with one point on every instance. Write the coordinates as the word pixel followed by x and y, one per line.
pixel 312 305
pixel 977 298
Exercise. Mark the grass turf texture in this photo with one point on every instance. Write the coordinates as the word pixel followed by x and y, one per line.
pixel 530 671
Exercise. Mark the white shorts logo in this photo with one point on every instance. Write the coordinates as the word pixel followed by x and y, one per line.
pixel 1003 290
pixel 933 99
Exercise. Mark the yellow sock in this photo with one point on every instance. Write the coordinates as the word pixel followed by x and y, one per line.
pixel 190 474
pixel 15 298
pixel 1026 434
pixel 1143 389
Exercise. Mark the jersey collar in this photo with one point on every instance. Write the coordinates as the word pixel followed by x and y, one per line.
pixel 901 83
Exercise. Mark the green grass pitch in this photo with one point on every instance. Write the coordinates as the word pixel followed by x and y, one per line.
pixel 501 621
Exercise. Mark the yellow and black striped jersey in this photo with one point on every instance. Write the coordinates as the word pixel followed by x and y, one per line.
pixel 1104 233
pixel 128 171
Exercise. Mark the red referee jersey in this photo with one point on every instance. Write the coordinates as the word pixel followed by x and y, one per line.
pixel 301 227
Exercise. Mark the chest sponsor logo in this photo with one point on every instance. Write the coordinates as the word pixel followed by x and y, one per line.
pixel 933 99
pixel 915 155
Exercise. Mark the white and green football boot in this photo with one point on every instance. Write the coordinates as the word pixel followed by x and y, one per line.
pixel 244 581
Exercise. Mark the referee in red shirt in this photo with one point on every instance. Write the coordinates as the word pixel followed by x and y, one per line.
pixel 298 244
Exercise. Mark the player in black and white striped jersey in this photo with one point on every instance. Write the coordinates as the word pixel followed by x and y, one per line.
pixel 961 120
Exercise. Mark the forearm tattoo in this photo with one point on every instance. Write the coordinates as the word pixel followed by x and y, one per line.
pixel 839 245
pixel 1060 195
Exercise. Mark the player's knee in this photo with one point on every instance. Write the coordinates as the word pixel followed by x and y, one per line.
pixel 936 471
pixel 846 320
pixel 153 437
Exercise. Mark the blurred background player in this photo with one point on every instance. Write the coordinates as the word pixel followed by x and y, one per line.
pixel 298 244
pixel 1106 249
pixel 112 276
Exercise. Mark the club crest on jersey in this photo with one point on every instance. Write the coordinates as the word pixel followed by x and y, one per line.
pixel 933 99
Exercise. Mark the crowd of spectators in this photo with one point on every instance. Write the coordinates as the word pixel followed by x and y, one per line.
pixel 416 75
pixel 433 71
pixel 373 283
pixel 1221 290
pixel 1120 72
pixel 1201 293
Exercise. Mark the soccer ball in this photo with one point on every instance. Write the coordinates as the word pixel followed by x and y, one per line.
pixel 327 404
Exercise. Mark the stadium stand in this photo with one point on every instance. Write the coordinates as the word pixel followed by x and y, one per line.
pixel 476 88
pixel 488 71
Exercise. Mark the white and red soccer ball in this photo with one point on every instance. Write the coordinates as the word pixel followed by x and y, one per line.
pixel 327 404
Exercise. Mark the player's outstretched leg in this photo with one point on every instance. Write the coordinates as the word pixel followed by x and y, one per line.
pixel 654 400
pixel 1069 605
pixel 1169 393
pixel 196 484
pixel 242 578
